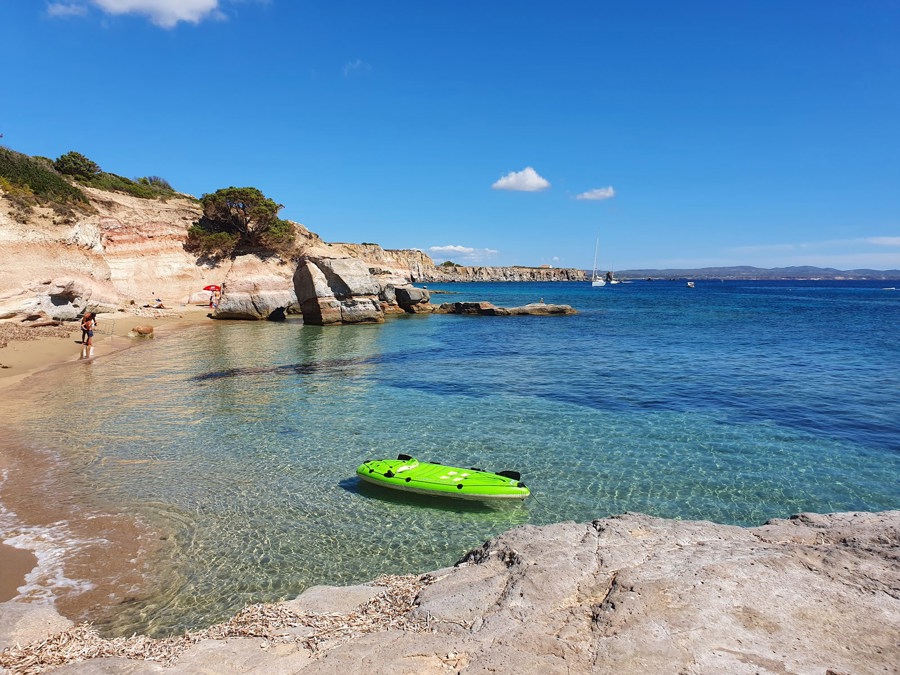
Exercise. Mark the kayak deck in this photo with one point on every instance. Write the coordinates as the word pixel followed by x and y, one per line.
pixel 410 475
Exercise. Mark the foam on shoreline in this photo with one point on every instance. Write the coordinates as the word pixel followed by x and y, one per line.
pixel 50 545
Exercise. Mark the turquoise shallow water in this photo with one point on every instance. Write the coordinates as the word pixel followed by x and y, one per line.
pixel 733 402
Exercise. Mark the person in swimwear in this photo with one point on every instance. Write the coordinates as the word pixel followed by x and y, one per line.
pixel 88 323
pixel 88 316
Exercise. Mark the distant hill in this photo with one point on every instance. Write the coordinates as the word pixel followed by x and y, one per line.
pixel 747 272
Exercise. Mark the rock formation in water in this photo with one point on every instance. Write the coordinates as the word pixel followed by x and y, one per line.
pixel 337 290
pixel 489 309
pixel 627 594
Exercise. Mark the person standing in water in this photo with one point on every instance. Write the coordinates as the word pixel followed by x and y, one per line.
pixel 88 316
pixel 88 323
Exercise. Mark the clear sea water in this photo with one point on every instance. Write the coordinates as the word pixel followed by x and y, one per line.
pixel 734 402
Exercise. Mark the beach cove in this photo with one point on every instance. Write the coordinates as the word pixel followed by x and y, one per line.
pixel 199 545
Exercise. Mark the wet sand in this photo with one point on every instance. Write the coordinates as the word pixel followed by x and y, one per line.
pixel 15 563
pixel 109 563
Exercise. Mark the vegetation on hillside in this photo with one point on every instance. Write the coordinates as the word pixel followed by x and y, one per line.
pixel 32 181
pixel 235 220
pixel 449 263
pixel 29 181
pixel 240 219
pixel 88 172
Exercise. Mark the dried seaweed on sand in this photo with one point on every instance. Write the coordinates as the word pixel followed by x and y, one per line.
pixel 390 608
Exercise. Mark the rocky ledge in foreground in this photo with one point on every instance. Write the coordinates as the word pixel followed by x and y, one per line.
pixel 628 594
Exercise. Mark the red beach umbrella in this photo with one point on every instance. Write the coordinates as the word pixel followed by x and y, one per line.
pixel 212 288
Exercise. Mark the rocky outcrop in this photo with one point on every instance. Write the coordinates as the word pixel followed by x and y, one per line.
pixel 337 290
pixel 627 594
pixel 463 274
pixel 396 266
pixel 256 289
pixel 488 309
pixel 413 300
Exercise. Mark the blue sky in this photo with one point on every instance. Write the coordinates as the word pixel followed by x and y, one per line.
pixel 682 134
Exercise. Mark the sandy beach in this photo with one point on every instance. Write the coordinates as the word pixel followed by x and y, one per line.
pixel 32 351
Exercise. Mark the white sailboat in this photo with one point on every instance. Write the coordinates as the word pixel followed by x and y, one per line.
pixel 595 280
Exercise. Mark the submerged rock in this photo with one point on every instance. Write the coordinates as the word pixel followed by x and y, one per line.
pixel 489 309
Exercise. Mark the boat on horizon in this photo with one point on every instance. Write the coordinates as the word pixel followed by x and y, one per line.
pixel 595 280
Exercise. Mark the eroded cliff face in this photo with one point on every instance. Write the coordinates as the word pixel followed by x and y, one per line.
pixel 125 249
pixel 126 252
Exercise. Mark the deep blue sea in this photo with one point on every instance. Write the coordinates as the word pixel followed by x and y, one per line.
pixel 733 401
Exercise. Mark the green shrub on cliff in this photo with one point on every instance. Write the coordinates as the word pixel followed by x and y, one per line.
pixel 248 220
pixel 77 165
pixel 216 244
pixel 89 172
pixel 114 183
pixel 33 180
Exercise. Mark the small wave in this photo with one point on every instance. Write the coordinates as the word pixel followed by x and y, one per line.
pixel 51 545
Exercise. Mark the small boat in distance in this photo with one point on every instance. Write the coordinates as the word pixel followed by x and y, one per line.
pixel 690 284
pixel 595 280
pixel 424 478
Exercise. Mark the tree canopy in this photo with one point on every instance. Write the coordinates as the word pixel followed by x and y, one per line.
pixel 75 164
pixel 240 218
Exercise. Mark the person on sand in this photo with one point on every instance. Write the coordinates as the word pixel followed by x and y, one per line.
pixel 88 323
pixel 88 316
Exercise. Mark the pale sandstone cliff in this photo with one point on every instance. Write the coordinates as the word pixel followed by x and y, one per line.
pixel 127 252
pixel 816 594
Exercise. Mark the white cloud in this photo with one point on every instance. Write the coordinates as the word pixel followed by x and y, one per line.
pixel 357 66
pixel 451 249
pixel 462 254
pixel 164 13
pixel 598 194
pixel 884 241
pixel 526 180
pixel 61 9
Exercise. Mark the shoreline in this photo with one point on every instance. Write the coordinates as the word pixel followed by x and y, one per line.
pixel 31 356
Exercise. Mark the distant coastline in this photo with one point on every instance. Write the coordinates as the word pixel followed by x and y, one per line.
pixel 747 273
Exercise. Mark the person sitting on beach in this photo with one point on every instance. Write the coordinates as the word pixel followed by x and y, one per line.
pixel 88 317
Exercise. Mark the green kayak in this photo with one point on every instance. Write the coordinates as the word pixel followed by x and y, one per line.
pixel 411 475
